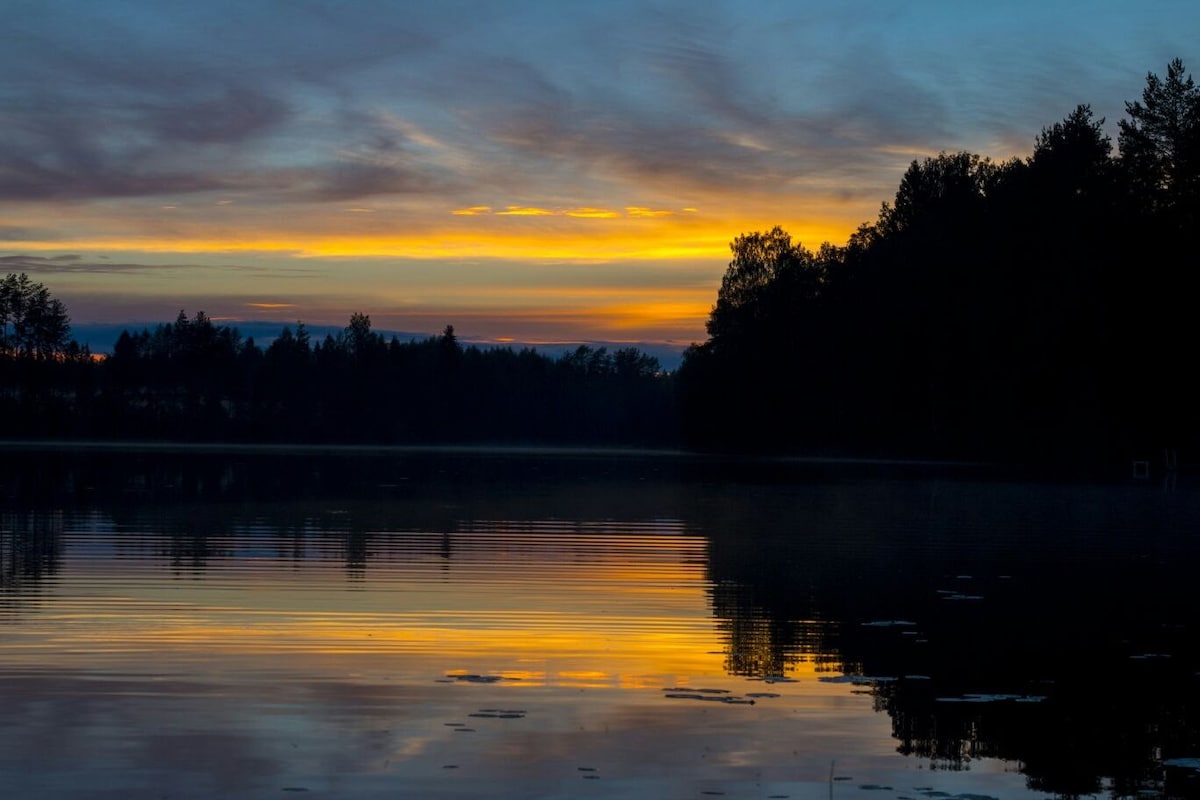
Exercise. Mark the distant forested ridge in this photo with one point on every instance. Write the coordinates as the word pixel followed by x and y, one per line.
pixel 1034 309
pixel 1037 309
pixel 194 380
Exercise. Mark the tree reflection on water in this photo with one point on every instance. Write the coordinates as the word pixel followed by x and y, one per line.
pixel 1048 624
pixel 1051 625
pixel 30 550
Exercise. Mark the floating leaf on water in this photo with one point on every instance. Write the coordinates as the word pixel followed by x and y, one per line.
pixel 874 787
pixel 857 680
pixel 991 698
pixel 684 696
pixel 737 701
pixel 969 796
pixel 454 724
pixel 475 678
pixel 761 694
pixel 449 766
pixel 843 778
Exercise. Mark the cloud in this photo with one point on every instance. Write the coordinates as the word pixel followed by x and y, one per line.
pixel 112 110
pixel 74 264
pixel 65 264
pixel 71 173
pixel 525 211
pixel 350 180
pixel 794 111
pixel 15 233
pixel 235 115
pixel 591 213
pixel 582 212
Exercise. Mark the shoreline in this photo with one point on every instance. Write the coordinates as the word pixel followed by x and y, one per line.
pixel 136 446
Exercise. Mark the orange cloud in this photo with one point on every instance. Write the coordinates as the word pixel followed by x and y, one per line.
pixel 591 213
pixel 525 211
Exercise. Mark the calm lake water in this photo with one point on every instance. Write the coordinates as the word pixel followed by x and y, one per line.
pixel 537 625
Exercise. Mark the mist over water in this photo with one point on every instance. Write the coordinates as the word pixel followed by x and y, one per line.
pixel 564 624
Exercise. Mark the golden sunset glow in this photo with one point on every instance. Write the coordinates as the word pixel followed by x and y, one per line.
pixel 208 184
pixel 583 235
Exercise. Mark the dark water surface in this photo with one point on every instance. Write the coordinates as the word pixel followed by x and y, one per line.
pixel 399 624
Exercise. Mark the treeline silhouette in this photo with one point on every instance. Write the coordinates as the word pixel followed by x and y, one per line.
pixel 1034 309
pixel 197 380
pixel 1037 308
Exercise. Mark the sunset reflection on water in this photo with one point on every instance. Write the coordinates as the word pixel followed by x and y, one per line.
pixel 227 662
pixel 635 638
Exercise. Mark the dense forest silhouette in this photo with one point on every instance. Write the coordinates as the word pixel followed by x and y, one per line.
pixel 1033 309
pixel 1036 308
pixel 194 380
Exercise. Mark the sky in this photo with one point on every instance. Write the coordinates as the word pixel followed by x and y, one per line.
pixel 529 172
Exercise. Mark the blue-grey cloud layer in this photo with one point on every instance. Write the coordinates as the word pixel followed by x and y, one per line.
pixel 307 101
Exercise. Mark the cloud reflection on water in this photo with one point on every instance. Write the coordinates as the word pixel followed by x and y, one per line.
pixel 197 605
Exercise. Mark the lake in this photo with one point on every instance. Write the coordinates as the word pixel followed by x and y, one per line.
pixel 258 623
